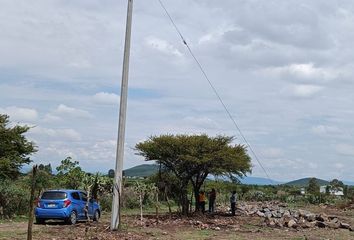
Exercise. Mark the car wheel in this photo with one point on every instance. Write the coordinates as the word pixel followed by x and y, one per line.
pixel 40 221
pixel 72 219
pixel 96 216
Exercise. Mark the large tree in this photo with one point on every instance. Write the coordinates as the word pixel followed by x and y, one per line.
pixel 193 157
pixel 15 148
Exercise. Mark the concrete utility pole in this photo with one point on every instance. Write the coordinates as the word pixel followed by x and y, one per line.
pixel 118 176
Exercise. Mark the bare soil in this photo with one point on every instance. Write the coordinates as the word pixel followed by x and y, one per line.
pixel 218 226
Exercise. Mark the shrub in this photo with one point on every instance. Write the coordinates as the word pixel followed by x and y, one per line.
pixel 13 199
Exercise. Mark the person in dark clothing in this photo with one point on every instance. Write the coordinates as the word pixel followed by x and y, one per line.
pixel 233 199
pixel 212 197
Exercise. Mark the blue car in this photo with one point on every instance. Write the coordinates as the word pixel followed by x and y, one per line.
pixel 67 205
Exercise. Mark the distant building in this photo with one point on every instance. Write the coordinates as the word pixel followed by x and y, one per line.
pixel 302 191
pixel 332 191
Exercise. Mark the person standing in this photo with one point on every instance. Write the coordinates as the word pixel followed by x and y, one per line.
pixel 233 199
pixel 202 200
pixel 212 197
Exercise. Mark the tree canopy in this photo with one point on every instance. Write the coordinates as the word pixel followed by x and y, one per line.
pixel 70 173
pixel 15 148
pixel 193 157
pixel 313 187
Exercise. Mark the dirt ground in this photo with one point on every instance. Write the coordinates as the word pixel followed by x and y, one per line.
pixel 219 226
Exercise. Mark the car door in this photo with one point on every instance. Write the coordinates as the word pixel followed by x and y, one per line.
pixel 84 202
pixel 76 202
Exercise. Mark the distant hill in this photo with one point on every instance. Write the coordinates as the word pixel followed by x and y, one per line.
pixel 350 183
pixel 259 181
pixel 146 170
pixel 143 170
pixel 304 182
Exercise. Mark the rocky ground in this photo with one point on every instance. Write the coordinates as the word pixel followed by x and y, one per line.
pixel 279 215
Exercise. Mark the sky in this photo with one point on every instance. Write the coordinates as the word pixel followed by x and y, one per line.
pixel 283 68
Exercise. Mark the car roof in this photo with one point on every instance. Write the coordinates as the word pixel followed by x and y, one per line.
pixel 64 190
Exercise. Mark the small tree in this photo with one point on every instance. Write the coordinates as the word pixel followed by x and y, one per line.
pixel 192 158
pixel 87 183
pixel 70 174
pixel 336 185
pixel 111 173
pixel 15 149
pixel 313 187
pixel 140 189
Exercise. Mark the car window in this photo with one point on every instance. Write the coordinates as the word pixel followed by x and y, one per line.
pixel 54 195
pixel 75 195
pixel 83 196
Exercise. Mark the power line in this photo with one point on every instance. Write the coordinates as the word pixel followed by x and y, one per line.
pixel 214 90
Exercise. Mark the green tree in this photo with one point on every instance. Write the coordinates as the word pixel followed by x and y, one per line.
pixel 47 168
pixel 70 174
pixel 313 187
pixel 15 148
pixel 336 185
pixel 191 158
pixel 111 173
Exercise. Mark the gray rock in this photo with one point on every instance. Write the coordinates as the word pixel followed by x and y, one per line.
pixel 259 213
pixel 334 225
pixel 268 214
pixel 321 224
pixel 322 218
pixel 344 225
pixel 286 214
pixel 310 217
pixel 292 224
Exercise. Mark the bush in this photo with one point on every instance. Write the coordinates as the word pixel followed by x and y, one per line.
pixel 13 199
pixel 105 201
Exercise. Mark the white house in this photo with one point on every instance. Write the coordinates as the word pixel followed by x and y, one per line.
pixel 332 191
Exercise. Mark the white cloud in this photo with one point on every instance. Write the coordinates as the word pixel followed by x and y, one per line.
pixel 59 134
pixel 339 166
pixel 322 130
pixel 201 122
pixel 162 46
pixel 20 114
pixel 217 34
pixel 304 71
pixel 63 111
pixel 106 98
pixel 272 153
pixel 305 90
pixel 345 149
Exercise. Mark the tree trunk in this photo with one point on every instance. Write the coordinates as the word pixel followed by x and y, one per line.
pixel 30 213
pixel 196 196
pixel 191 201
pixel 141 207
pixel 168 202
pixel 157 207
pixel 87 204
pixel 184 202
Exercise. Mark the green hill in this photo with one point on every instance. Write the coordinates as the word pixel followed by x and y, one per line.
pixel 143 170
pixel 304 182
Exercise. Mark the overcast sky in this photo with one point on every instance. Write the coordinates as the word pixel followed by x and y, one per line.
pixel 283 68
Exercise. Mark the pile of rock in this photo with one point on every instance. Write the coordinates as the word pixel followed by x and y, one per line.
pixel 277 215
